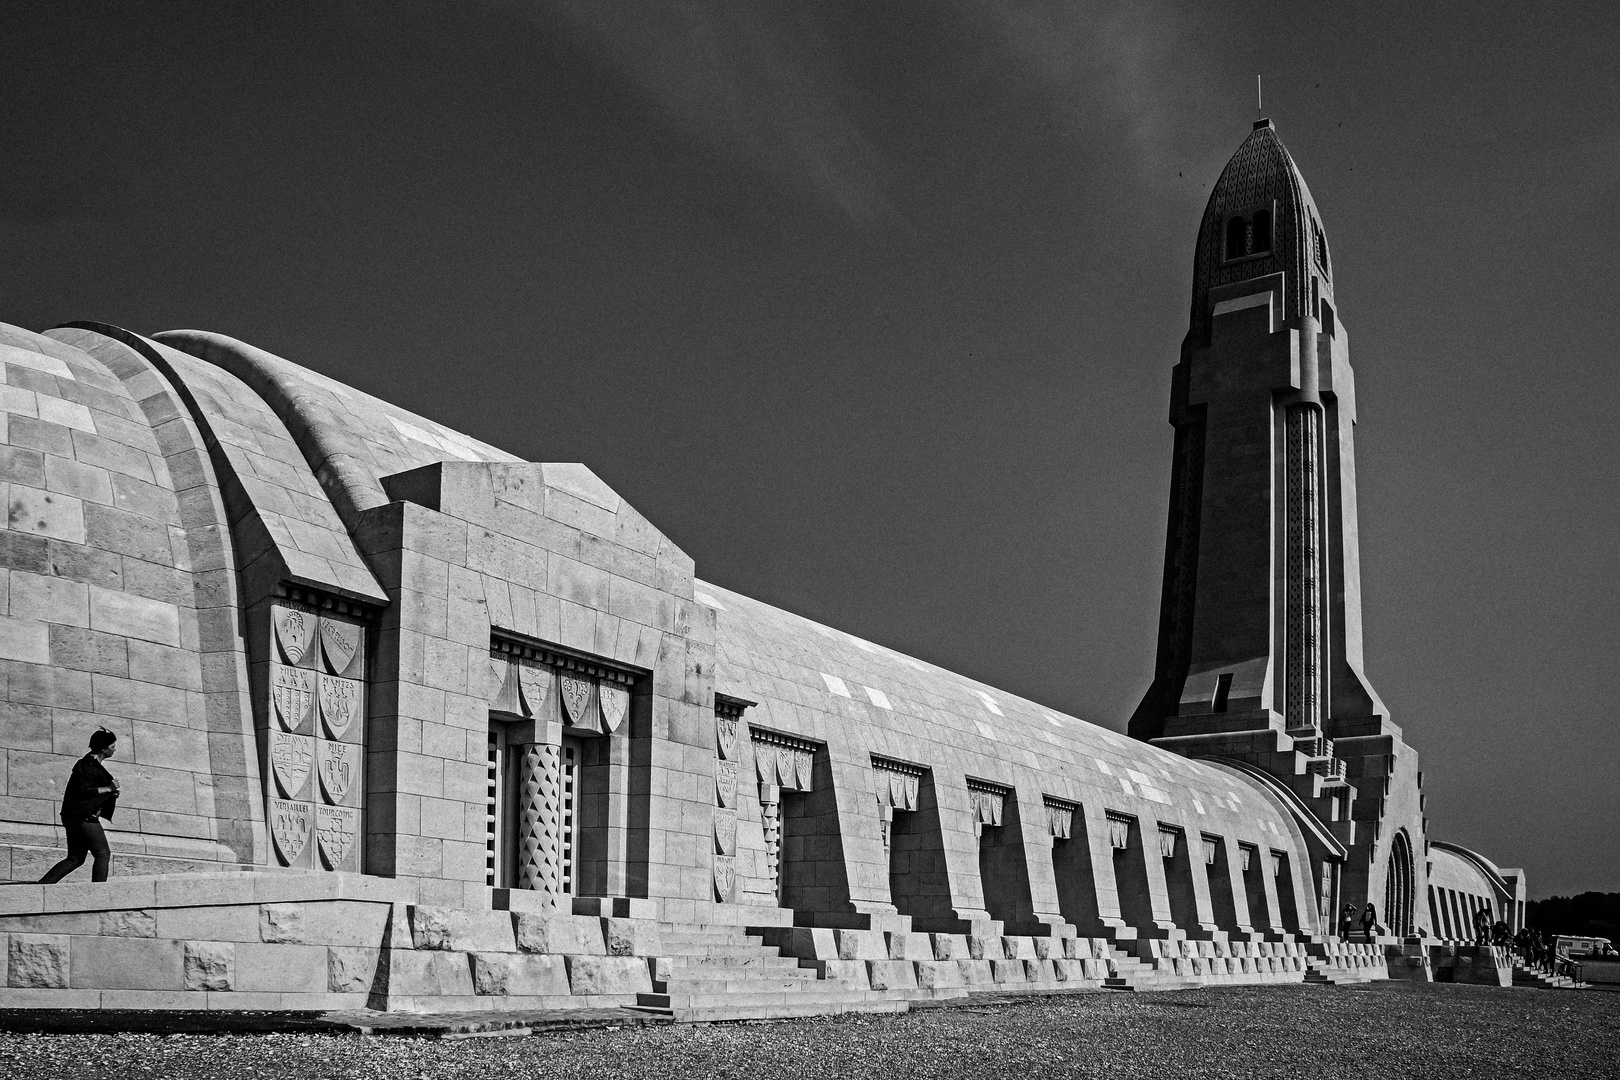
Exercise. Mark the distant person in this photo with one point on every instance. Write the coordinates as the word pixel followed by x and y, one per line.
pixel 1369 921
pixel 1521 942
pixel 1499 933
pixel 92 794
pixel 1347 921
pixel 1482 927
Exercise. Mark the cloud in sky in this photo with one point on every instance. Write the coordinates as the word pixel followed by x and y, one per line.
pixel 758 81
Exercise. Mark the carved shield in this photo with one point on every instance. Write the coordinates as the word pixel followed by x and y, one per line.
pixel 725 737
pixel 615 702
pixel 765 763
pixel 290 758
pixel 786 766
pixel 725 832
pixel 294 623
pixel 725 878
pixel 339 642
pixel 801 769
pixel 897 790
pixel 339 767
pixel 293 692
pixel 337 830
pixel 576 695
pixel 340 702
pixel 725 783
pixel 911 792
pixel 534 681
pixel 290 825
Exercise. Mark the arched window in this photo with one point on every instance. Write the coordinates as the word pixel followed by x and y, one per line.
pixel 1262 232
pixel 1322 250
pixel 1237 233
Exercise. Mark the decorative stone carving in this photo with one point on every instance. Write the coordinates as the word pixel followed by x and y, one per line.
pixel 534 683
pixel 290 825
pixel 339 767
pixel 802 763
pixel 337 831
pixel 340 700
pixel 339 642
pixel 316 731
pixel 770 812
pixel 1304 673
pixel 725 831
pixel 898 783
pixel 786 767
pixel 614 701
pixel 1060 818
pixel 539 825
pixel 294 623
pixel 986 802
pixel 725 738
pixel 292 692
pixel 290 759
pixel 576 697
pixel 1119 831
pixel 725 878
pixel 765 763
pixel 725 783
pixel 503 686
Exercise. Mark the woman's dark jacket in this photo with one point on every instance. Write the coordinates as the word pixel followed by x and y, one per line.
pixel 81 801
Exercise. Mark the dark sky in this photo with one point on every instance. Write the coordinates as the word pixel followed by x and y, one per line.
pixel 872 306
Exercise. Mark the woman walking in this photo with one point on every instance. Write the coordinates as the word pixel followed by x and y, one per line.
pixel 92 794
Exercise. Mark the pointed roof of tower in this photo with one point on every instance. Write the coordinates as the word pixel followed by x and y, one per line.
pixel 1261 176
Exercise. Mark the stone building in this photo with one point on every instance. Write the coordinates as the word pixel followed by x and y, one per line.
pixel 406 722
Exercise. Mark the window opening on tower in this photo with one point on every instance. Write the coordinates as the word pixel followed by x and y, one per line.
pixel 1246 236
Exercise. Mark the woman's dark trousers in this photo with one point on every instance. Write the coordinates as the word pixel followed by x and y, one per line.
pixel 83 838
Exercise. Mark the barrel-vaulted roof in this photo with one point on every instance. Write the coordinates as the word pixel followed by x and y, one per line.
pixel 863 699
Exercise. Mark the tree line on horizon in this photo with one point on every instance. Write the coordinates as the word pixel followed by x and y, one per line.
pixel 1587 914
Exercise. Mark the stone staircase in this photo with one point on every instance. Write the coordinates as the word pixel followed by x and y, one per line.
pixel 1338 963
pixel 1179 964
pixel 714 972
pixel 1524 976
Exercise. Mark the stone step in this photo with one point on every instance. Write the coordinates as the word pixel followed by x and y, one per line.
pixel 701 930
pixel 781 1011
pixel 726 948
pixel 736 973
pixel 731 1002
pixel 756 985
pixel 766 961
pixel 695 943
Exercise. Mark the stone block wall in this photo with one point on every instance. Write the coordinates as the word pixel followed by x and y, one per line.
pixel 118 599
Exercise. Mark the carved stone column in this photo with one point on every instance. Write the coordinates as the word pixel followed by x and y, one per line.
pixel 540 815
pixel 1304 569
pixel 770 811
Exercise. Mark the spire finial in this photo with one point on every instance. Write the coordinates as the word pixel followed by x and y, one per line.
pixel 1259 102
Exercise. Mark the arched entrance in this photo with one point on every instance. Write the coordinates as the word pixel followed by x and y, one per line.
pixel 1398 887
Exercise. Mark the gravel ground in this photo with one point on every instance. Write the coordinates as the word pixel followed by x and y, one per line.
pixel 1387 1030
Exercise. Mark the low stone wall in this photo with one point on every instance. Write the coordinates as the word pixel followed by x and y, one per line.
pixel 306 942
pixel 1491 965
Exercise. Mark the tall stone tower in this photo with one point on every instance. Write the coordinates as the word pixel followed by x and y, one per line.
pixel 1260 640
